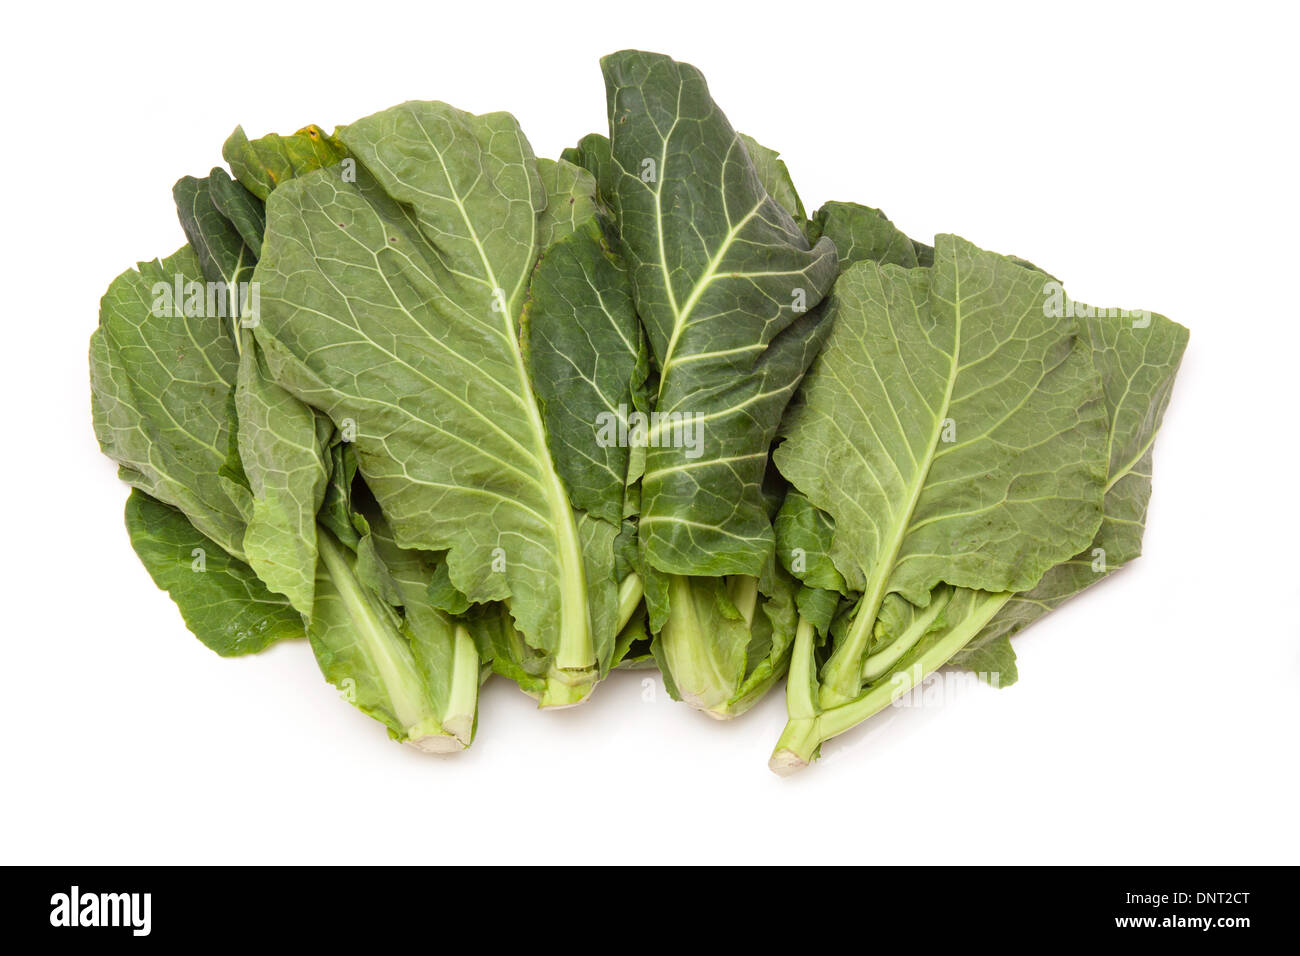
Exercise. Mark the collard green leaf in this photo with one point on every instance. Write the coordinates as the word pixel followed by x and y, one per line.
pixel 775 178
pixel 280 440
pixel 952 430
pixel 244 210
pixel 223 255
pixel 592 154
pixel 362 648
pixel 441 644
pixel 861 233
pixel 336 509
pixel 393 303
pixel 281 446
pixel 704 672
pixel 260 165
pixel 570 200
pixel 727 288
pixel 1138 361
pixel 588 358
pixel 161 372
pixel 220 598
pixel 804 537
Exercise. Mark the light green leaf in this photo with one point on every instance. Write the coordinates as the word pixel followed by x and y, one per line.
pixel 441 644
pixel 362 648
pixel 952 431
pixel 592 154
pixel 160 386
pixel 280 440
pixel 281 446
pixel 570 200
pixel 1138 364
pixel 393 303
pixel 260 165
pixel 861 233
pixel 804 537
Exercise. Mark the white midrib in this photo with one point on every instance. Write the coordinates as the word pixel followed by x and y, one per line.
pixel 705 280
pixel 844 668
pixel 680 316
pixel 575 649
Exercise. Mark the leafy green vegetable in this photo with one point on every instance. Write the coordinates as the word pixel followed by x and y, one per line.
pixel 261 165
pixel 448 409
pixel 727 287
pixel 260 457
pixel 1096 385
pixel 952 431
pixel 394 302
pixel 220 598
pixel 161 374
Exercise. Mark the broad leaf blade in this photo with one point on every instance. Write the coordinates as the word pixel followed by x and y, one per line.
pixel 726 286
pixel 1138 363
pixel 861 233
pixel 952 430
pixel 588 359
pixel 280 440
pixel 222 601
pixel 964 352
pixel 161 373
pixel 420 267
pixel 281 446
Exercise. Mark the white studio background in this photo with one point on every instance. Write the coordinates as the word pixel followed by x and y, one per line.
pixel 1146 154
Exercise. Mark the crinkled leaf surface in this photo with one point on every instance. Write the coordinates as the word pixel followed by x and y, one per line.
pixel 281 446
pixel 1137 364
pixel 589 363
pixel 160 387
pixel 262 164
pixel 961 352
pixel 726 286
pixel 280 440
pixel 804 537
pixel 592 154
pixel 861 233
pixel 243 210
pixel 952 431
pixel 393 303
pixel 774 176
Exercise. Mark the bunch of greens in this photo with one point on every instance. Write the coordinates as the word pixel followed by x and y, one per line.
pixel 448 409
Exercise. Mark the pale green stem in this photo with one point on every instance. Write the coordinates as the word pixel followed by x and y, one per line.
pixel 743 591
pixel 799 740
pixel 688 650
pixel 463 699
pixel 842 675
pixel 394 666
pixel 630 593
pixel 807 729
pixel 837 720
pixel 883 660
